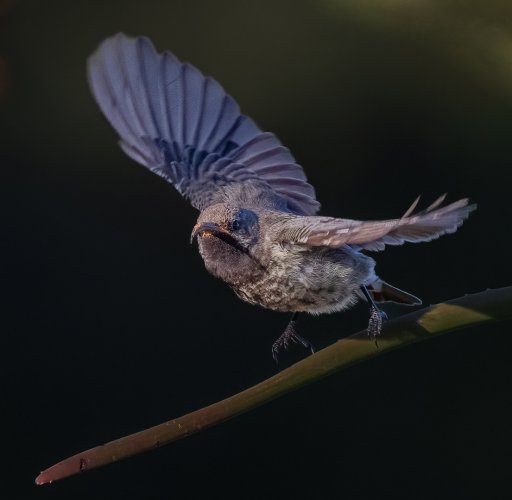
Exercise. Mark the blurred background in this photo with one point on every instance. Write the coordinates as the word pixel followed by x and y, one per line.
pixel 110 323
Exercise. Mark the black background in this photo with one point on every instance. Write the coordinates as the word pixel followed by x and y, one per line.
pixel 110 323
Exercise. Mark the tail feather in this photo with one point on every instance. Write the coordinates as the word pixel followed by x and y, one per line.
pixel 384 292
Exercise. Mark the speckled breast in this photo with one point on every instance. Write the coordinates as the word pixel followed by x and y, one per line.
pixel 315 280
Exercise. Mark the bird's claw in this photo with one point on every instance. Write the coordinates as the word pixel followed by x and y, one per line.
pixel 377 317
pixel 288 337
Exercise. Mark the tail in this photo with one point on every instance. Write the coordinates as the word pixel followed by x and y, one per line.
pixel 384 292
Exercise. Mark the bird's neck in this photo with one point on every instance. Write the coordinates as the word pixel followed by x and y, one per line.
pixel 227 263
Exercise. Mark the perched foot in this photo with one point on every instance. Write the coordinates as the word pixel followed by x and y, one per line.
pixel 376 317
pixel 288 337
pixel 375 324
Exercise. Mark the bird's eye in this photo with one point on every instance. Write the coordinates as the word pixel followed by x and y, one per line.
pixel 243 221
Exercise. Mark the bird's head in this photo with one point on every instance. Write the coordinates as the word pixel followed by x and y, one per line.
pixel 227 238
pixel 233 226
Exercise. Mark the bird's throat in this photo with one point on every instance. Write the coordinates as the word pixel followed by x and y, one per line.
pixel 231 263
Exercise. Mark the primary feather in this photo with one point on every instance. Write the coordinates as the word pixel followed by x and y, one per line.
pixel 185 128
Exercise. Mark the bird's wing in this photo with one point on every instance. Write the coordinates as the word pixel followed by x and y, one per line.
pixel 375 235
pixel 185 128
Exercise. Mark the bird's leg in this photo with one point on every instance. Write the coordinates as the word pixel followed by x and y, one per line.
pixel 377 316
pixel 288 337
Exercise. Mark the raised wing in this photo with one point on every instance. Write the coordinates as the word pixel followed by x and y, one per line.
pixel 375 235
pixel 185 128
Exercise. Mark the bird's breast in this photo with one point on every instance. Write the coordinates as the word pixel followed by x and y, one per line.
pixel 290 278
pixel 315 280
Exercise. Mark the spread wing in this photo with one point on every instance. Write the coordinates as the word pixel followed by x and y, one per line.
pixel 185 128
pixel 375 235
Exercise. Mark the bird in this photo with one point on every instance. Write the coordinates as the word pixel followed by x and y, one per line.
pixel 258 228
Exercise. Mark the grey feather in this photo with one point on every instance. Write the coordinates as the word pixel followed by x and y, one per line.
pixel 185 128
pixel 375 235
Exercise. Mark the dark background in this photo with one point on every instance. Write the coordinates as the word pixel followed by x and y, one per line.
pixel 110 323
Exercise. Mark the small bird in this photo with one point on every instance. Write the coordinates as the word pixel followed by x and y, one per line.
pixel 257 229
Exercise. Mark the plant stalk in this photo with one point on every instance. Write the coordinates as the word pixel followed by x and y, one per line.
pixel 424 324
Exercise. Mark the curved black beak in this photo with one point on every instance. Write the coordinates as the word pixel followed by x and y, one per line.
pixel 207 229
pixel 212 229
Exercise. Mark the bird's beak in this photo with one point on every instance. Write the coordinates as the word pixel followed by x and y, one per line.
pixel 211 229
pixel 208 229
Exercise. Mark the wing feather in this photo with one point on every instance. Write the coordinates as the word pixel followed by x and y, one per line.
pixel 185 128
pixel 375 235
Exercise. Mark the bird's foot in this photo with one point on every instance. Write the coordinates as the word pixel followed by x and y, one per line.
pixel 288 337
pixel 377 317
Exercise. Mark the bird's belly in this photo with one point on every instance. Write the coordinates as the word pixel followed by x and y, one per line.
pixel 290 296
pixel 325 281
